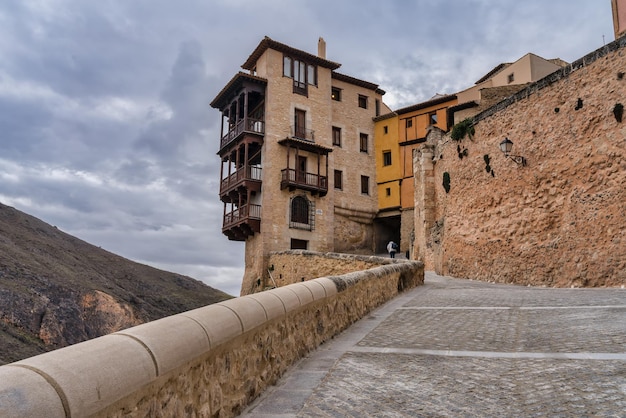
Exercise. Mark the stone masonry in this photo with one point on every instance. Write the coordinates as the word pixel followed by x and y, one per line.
pixel 559 220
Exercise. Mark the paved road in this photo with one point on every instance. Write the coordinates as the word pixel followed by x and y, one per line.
pixel 460 348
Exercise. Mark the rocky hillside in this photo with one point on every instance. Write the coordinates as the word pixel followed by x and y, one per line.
pixel 56 290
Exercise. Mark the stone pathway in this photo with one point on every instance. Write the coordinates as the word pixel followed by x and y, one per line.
pixel 460 348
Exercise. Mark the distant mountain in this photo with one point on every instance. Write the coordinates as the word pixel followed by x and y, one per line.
pixel 56 290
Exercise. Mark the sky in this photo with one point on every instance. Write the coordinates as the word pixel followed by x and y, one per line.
pixel 105 126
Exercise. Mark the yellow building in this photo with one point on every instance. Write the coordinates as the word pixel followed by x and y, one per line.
pixel 397 135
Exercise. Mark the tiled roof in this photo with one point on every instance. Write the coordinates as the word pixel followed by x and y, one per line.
pixel 268 43
pixel 232 85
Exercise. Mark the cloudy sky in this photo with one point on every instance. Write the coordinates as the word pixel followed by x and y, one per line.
pixel 105 125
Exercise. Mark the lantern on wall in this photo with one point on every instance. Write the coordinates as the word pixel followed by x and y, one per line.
pixel 506 146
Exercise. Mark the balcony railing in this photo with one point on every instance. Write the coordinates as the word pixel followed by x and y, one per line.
pixel 301 133
pixel 242 222
pixel 256 126
pixel 239 177
pixel 295 179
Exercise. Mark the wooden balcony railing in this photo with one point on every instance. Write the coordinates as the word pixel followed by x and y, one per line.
pixel 295 179
pixel 255 126
pixel 242 222
pixel 249 176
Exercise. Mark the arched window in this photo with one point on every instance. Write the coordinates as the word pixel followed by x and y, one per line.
pixel 302 213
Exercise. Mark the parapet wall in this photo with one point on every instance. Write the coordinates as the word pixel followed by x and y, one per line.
pixel 295 266
pixel 557 221
pixel 208 362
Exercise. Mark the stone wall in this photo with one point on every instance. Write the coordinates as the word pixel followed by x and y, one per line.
pixel 209 362
pixel 297 266
pixel 559 220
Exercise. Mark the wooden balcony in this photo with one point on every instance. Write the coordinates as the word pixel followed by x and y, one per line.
pixel 294 179
pixel 246 178
pixel 247 125
pixel 242 222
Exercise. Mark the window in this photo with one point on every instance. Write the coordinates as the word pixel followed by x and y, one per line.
pixel 362 101
pixel 302 73
pixel 433 118
pixel 386 158
pixel 377 104
pixel 301 213
pixel 299 124
pixel 385 129
pixel 336 136
pixel 388 191
pixel 511 78
pixel 299 244
pixel 335 94
pixel 287 67
pixel 409 123
pixel 363 142
pixel 338 180
pixel 365 185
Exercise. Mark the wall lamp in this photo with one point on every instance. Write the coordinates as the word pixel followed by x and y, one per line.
pixel 506 146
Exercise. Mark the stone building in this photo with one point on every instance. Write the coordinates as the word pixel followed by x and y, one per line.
pixel 397 134
pixel 297 157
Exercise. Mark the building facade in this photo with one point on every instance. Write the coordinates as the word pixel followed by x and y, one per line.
pixel 297 157
pixel 397 135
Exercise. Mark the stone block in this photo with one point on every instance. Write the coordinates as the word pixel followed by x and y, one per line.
pixel 173 341
pixel 330 288
pixel 271 303
pixel 249 311
pixel 25 393
pixel 220 322
pixel 317 289
pixel 303 293
pixel 288 297
pixel 96 373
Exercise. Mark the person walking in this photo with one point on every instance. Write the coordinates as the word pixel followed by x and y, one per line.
pixel 392 247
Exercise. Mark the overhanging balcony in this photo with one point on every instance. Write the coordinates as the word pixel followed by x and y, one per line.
pixel 242 222
pixel 294 179
pixel 245 178
pixel 244 126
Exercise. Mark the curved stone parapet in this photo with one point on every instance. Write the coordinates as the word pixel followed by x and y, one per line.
pixel 214 359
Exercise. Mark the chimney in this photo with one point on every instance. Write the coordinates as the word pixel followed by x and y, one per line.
pixel 321 48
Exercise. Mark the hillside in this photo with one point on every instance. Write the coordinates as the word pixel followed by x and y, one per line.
pixel 56 290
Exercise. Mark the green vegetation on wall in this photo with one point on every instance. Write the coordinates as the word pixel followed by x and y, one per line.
pixel 463 129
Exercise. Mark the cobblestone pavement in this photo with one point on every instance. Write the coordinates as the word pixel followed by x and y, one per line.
pixel 460 348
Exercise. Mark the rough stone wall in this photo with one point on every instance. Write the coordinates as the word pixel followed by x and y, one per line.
pixel 559 221
pixel 210 362
pixel 295 266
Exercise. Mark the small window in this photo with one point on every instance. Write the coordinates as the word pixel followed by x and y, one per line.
pixel 299 244
pixel 386 158
pixel 312 75
pixel 433 118
pixel 365 185
pixel 338 180
pixel 388 191
pixel 363 139
pixel 377 104
pixel 287 67
pixel 362 101
pixel 409 123
pixel 336 136
pixel 300 210
pixel 385 129
pixel 511 78
pixel 335 94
